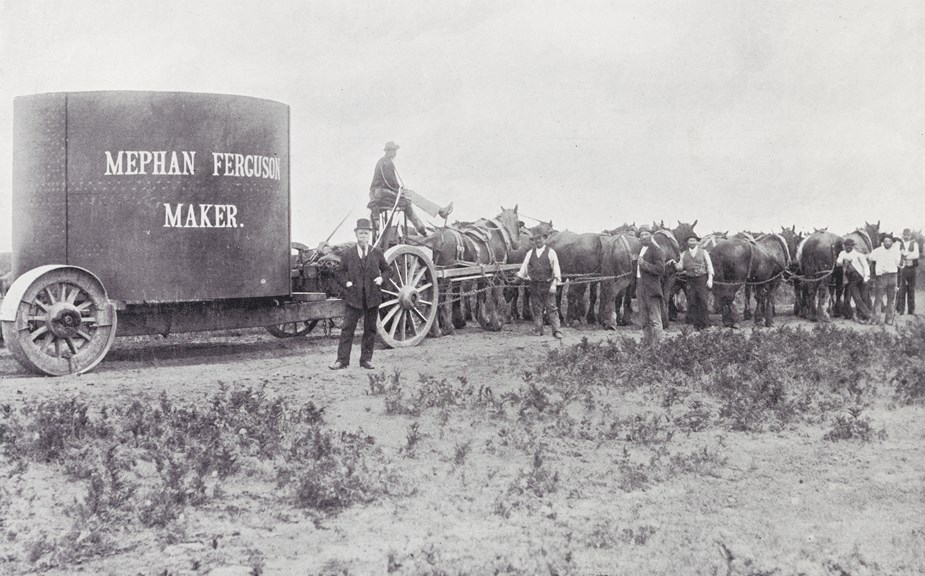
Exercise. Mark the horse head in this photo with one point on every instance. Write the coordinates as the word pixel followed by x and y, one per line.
pixel 873 231
pixel 684 229
pixel 510 222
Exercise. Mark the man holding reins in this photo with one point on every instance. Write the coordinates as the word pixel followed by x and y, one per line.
pixel 541 269
pixel 387 186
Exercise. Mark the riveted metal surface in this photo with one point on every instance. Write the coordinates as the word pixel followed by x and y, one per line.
pixel 39 182
pixel 170 197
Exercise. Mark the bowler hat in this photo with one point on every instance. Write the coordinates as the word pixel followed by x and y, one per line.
pixel 907 232
pixel 690 235
pixel 390 146
pixel 643 228
pixel 363 224
pixel 850 242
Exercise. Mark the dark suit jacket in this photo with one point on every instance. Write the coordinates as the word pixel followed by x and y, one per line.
pixel 651 268
pixel 362 273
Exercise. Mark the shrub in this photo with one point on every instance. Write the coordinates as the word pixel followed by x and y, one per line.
pixel 146 463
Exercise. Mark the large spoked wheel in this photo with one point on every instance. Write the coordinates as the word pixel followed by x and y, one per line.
pixel 292 329
pixel 409 305
pixel 63 322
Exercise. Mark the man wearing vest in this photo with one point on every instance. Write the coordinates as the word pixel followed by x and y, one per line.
pixel 541 269
pixel 362 271
pixel 697 268
pixel 910 256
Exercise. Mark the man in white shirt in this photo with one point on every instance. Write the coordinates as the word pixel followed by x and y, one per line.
pixel 857 273
pixel 541 269
pixel 910 263
pixel 696 267
pixel 887 260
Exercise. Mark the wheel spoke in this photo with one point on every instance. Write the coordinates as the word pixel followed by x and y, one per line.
pixel 72 297
pixel 413 269
pixel 395 322
pixel 63 296
pixel 425 302
pixel 397 287
pixel 389 302
pixel 389 292
pixel 71 345
pixel 404 324
pixel 397 268
pixel 58 347
pixel 84 305
pixel 36 318
pixel 419 276
pixel 51 296
pixel 84 335
pixel 420 315
pixel 388 316
pixel 424 287
pixel 36 333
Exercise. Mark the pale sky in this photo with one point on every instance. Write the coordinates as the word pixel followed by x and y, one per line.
pixel 739 114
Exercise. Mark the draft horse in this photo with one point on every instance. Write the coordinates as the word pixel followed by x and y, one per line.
pixel 488 241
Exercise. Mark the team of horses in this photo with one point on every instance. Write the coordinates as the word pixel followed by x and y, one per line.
pixel 599 271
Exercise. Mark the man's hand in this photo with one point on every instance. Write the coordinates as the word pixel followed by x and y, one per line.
pixel 378 280
pixel 709 283
pixel 348 284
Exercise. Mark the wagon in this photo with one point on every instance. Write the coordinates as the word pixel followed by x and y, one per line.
pixel 140 213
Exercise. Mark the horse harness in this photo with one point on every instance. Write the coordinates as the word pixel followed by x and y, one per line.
pixel 479 233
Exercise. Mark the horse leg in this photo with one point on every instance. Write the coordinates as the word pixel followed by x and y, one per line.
pixel 607 316
pixel 501 310
pixel 769 294
pixel 627 297
pixel 575 296
pixel 591 317
pixel 525 304
pixel 761 305
pixel 747 313
pixel 824 301
pixel 797 297
pixel 510 299
pixel 559 291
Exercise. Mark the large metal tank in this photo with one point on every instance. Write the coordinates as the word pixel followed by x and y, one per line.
pixel 166 197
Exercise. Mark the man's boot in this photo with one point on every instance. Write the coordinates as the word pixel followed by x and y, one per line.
pixel 445 211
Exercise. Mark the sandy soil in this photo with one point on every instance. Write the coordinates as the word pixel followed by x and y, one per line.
pixel 770 503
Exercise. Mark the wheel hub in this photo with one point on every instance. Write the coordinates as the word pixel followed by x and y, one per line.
pixel 64 320
pixel 408 297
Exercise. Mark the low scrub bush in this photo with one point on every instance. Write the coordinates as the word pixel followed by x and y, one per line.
pixel 145 463
pixel 763 379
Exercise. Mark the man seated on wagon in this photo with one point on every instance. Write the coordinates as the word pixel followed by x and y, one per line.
pixel 386 185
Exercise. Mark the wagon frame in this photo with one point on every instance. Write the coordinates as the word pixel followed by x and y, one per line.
pixel 61 313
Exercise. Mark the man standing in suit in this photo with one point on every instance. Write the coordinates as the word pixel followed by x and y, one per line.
pixel 362 271
pixel 649 285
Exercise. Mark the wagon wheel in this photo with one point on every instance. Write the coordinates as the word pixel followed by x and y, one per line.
pixel 62 324
pixel 409 305
pixel 292 329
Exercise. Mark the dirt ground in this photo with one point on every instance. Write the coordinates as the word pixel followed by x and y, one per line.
pixel 782 502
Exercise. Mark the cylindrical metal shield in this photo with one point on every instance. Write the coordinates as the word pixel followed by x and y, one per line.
pixel 166 197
